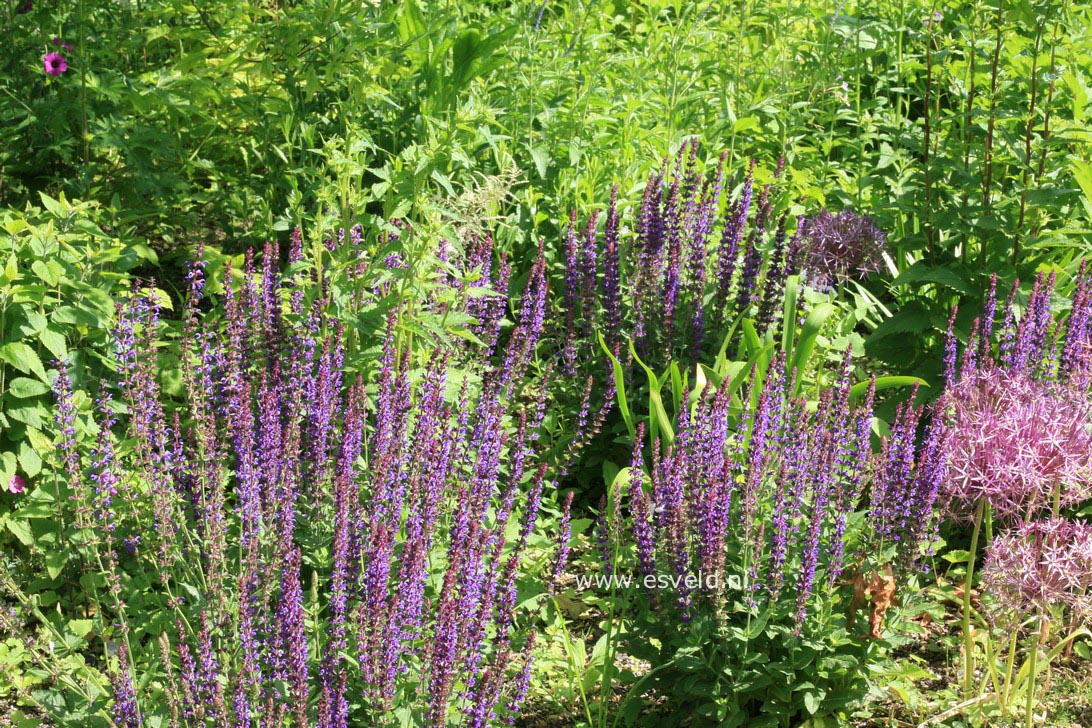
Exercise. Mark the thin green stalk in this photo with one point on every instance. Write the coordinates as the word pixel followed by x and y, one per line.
pixel 968 642
pixel 1011 665
pixel 606 682
pixel 927 151
pixel 987 183
pixel 1029 707
pixel 83 101
pixel 1027 143
pixel 572 660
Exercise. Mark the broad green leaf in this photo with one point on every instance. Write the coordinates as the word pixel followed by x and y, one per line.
pixel 72 316
pixel 49 275
pixel 55 559
pixel 53 340
pixel 81 627
pixel 23 358
pixel 541 160
pixel 54 207
pixel 29 460
pixel 23 387
pixel 21 530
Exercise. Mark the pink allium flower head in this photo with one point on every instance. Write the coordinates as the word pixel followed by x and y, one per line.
pixel 1042 564
pixel 54 64
pixel 1013 441
pixel 17 485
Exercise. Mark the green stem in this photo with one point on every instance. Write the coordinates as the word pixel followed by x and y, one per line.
pixel 968 642
pixel 572 661
pixel 1029 711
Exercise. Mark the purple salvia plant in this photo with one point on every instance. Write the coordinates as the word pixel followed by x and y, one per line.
pixel 735 224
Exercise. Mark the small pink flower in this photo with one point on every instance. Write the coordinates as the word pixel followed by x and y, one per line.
pixel 17 485
pixel 54 64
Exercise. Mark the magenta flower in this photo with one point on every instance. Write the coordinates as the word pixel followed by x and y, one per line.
pixel 54 64
pixel 17 485
pixel 1042 564
pixel 1017 443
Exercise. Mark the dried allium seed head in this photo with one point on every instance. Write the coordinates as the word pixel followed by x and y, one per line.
pixel 838 247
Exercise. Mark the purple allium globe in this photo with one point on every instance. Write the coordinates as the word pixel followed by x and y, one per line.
pixel 1018 443
pixel 834 248
pixel 1042 564
pixel 54 64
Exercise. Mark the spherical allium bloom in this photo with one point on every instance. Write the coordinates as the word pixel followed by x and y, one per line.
pixel 1018 443
pixel 54 64
pixel 17 485
pixel 1042 564
pixel 837 247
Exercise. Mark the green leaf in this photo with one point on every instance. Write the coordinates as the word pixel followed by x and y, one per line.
pixel 541 159
pixel 957 556
pixel 788 315
pixel 889 382
pixel 49 274
pixel 7 466
pixel 22 388
pixel 72 316
pixel 53 340
pixel 29 459
pixel 23 358
pixel 81 627
pixel 21 530
pixel 811 702
pixel 619 387
pixel 657 415
pixel 941 276
pixel 809 335
pixel 55 560
pixel 55 208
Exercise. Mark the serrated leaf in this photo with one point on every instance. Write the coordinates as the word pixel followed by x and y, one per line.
pixel 541 160
pixel 21 388
pixel 48 274
pixel 72 316
pixel 54 340
pixel 81 627
pixel 21 530
pixel 23 358
pixel 29 459
pixel 942 276
pixel 55 560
